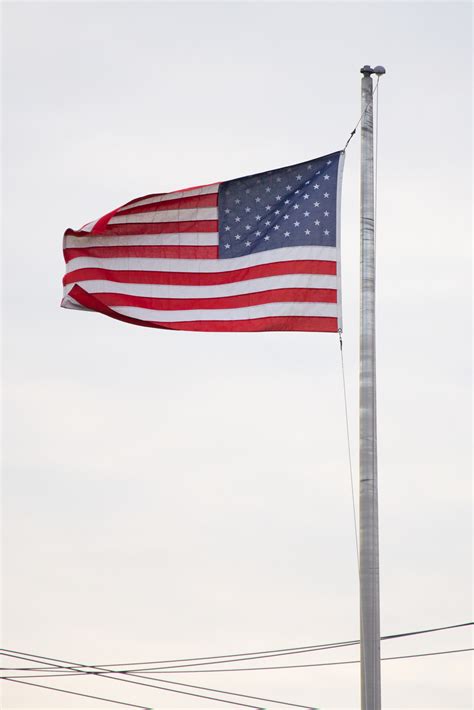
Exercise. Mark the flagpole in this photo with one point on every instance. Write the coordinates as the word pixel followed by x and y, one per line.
pixel 368 498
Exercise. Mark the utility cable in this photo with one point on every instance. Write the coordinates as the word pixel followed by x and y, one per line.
pixel 251 655
pixel 112 675
pixel 257 668
pixel 149 685
pixel 25 656
pixel 319 665
pixel 73 692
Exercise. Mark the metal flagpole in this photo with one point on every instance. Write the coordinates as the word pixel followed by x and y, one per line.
pixel 368 503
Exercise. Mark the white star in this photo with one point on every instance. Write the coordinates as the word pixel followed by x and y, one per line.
pixel 309 167
pixel 295 207
pixel 278 179
pixel 227 229
pixel 326 177
pixel 237 219
pixel 319 172
pixel 297 224
pixel 278 197
pixel 316 204
pixel 257 199
pixel 266 238
pixel 287 234
pixel 257 234
pixel 287 202
pixel 247 227
pixel 267 207
pixel 267 223
pixel 326 214
pixel 257 217
pixel 306 214
pixel 316 186
pixel 227 211
pixel 277 211
pixel 268 189
pixel 227 246
pixel 286 217
pixel 298 177
pixel 237 201
pixel 288 187
pixel 297 192
pixel 247 244
pixel 329 162
pixel 305 197
pixel 247 209
pixel 259 180
pixel 247 190
pixel 317 223
pixel 326 194
pixel 326 232
pixel 306 231
pixel 307 182
pixel 276 227
pixel 237 236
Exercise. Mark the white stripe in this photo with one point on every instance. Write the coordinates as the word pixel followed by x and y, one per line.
pixel 206 190
pixel 248 313
pixel 69 302
pixel 89 226
pixel 180 215
pixel 312 253
pixel 181 239
pixel 234 289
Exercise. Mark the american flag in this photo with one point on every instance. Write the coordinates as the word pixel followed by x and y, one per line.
pixel 257 253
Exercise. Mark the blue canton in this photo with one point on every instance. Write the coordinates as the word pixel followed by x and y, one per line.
pixel 293 206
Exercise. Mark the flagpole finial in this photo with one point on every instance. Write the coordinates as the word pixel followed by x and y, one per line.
pixel 367 71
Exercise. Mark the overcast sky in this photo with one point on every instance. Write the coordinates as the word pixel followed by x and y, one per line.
pixel 167 494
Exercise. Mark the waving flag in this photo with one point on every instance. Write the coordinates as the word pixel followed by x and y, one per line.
pixel 253 254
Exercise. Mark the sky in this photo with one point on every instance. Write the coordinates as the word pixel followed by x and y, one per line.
pixel 171 495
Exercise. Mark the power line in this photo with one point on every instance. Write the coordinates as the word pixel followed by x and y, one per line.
pixel 206 663
pixel 156 687
pixel 112 675
pixel 315 665
pixel 108 674
pixel 161 680
pixel 104 673
pixel 208 659
pixel 72 692
pixel 251 655
pixel 230 670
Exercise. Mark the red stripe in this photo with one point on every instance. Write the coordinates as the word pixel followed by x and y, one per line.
pixel 280 323
pixel 179 203
pixel 101 223
pixel 198 225
pixel 279 295
pixel 203 279
pixel 313 324
pixel 162 194
pixel 146 252
pixel 143 197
